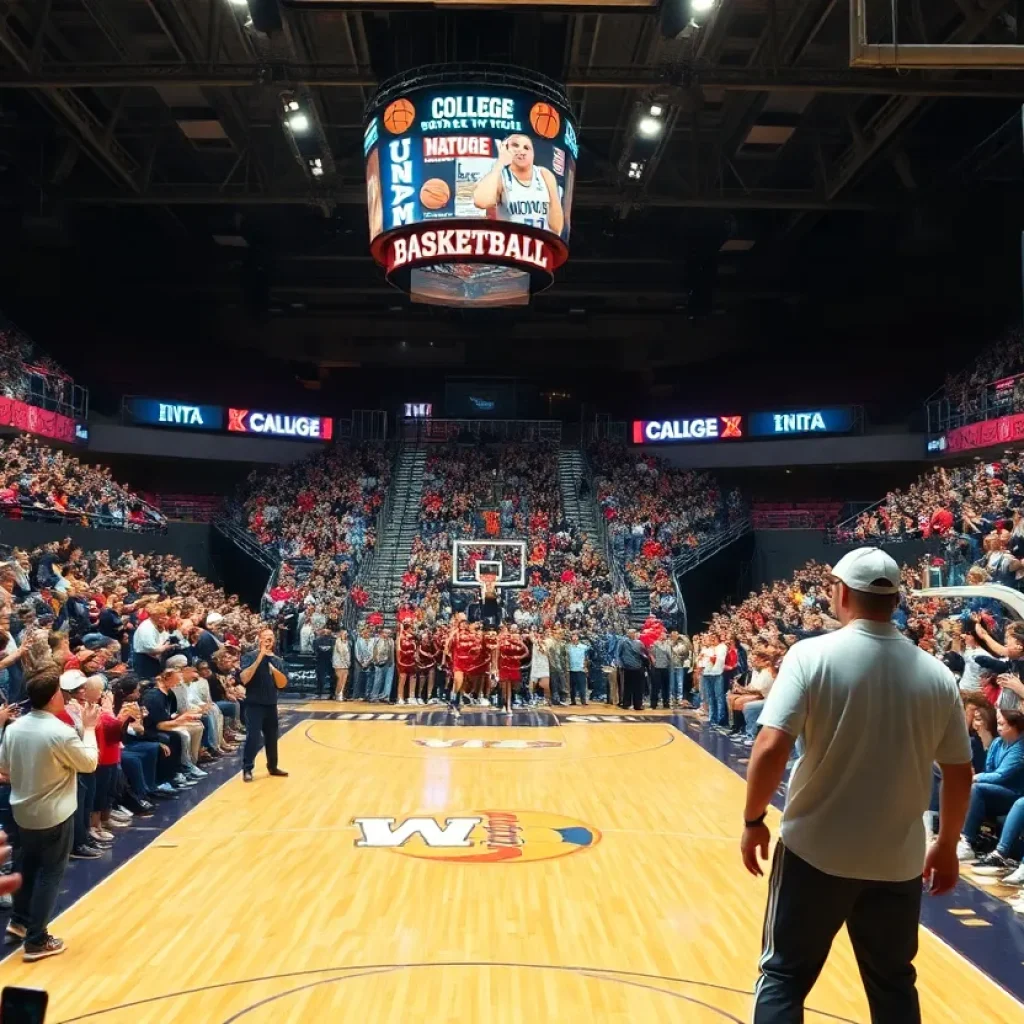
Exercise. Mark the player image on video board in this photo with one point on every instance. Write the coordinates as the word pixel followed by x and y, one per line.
pixel 474 152
pixel 519 191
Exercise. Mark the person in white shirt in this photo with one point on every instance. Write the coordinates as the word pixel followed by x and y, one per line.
pixel 42 757
pixel 150 642
pixel 874 713
pixel 713 680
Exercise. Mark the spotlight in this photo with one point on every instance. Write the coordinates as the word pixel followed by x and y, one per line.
pixel 298 123
pixel 656 110
pixel 317 172
pixel 649 127
pixel 636 170
pixel 291 105
pixel 239 3
pixel 701 6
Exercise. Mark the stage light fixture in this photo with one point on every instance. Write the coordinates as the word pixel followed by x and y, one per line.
pixel 701 6
pixel 649 127
pixel 298 123
pixel 656 110
pixel 239 3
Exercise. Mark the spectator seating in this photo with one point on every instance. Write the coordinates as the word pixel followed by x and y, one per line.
pixel 77 612
pixel 970 507
pixel 983 389
pixel 508 493
pixel 318 516
pixel 656 513
pixel 38 482
pixel 801 515
pixel 29 375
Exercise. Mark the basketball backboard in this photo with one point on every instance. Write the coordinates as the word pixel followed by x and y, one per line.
pixel 505 560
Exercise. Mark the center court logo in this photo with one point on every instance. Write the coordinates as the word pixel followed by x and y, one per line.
pixel 478 837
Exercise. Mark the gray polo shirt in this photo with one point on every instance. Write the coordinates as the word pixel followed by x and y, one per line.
pixel 874 712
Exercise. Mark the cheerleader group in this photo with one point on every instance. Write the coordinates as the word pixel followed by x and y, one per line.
pixel 463 663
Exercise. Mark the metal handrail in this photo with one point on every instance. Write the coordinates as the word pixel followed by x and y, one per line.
pixel 617 573
pixel 243 539
pixel 95 520
pixel 682 564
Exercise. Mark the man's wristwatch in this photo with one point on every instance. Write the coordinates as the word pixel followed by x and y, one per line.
pixel 757 821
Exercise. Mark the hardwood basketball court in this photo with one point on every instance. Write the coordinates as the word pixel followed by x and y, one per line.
pixel 602 883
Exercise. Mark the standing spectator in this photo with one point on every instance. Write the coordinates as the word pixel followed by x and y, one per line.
pixel 383 667
pixel 42 756
pixel 262 674
pixel 323 652
pixel 661 671
pixel 713 681
pixel 576 651
pixel 634 660
pixel 874 713
pixel 341 661
pixel 681 654
pixel 362 686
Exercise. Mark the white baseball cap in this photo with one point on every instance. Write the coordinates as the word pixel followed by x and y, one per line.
pixel 869 570
pixel 72 679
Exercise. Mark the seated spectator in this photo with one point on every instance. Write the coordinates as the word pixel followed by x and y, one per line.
pixel 42 482
pixel 995 791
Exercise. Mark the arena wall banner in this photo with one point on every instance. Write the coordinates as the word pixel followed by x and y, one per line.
pixel 794 423
pixel 34 420
pixel 469 178
pixel 1004 430
pixel 699 428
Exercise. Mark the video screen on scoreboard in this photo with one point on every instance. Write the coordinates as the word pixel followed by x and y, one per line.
pixel 462 284
pixel 470 152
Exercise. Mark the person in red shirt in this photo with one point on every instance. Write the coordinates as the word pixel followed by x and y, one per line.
pixel 405 655
pixel 426 665
pixel 463 648
pixel 512 652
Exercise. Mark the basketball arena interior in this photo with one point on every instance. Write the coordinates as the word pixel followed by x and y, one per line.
pixel 428 431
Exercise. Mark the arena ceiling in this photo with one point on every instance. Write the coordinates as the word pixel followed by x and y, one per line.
pixel 143 159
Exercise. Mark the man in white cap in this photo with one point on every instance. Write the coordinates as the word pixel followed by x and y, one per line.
pixel 874 712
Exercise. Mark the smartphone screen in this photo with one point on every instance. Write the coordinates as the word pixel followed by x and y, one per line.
pixel 23 1005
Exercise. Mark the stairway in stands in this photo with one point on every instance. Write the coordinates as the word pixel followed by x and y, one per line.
pixel 639 606
pixel 581 513
pixel 391 558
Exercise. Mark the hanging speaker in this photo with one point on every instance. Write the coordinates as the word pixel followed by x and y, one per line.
pixel 266 15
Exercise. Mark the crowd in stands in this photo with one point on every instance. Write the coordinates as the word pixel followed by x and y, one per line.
pixel 656 512
pixel 318 516
pixel 962 505
pixel 967 390
pixel 28 374
pixel 37 481
pixel 128 633
pixel 507 493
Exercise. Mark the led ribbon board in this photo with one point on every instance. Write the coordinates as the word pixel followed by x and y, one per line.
pixel 469 181
pixel 699 428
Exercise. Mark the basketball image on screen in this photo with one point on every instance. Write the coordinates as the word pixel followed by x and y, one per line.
pixel 399 116
pixel 519 191
pixel 545 120
pixel 435 193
